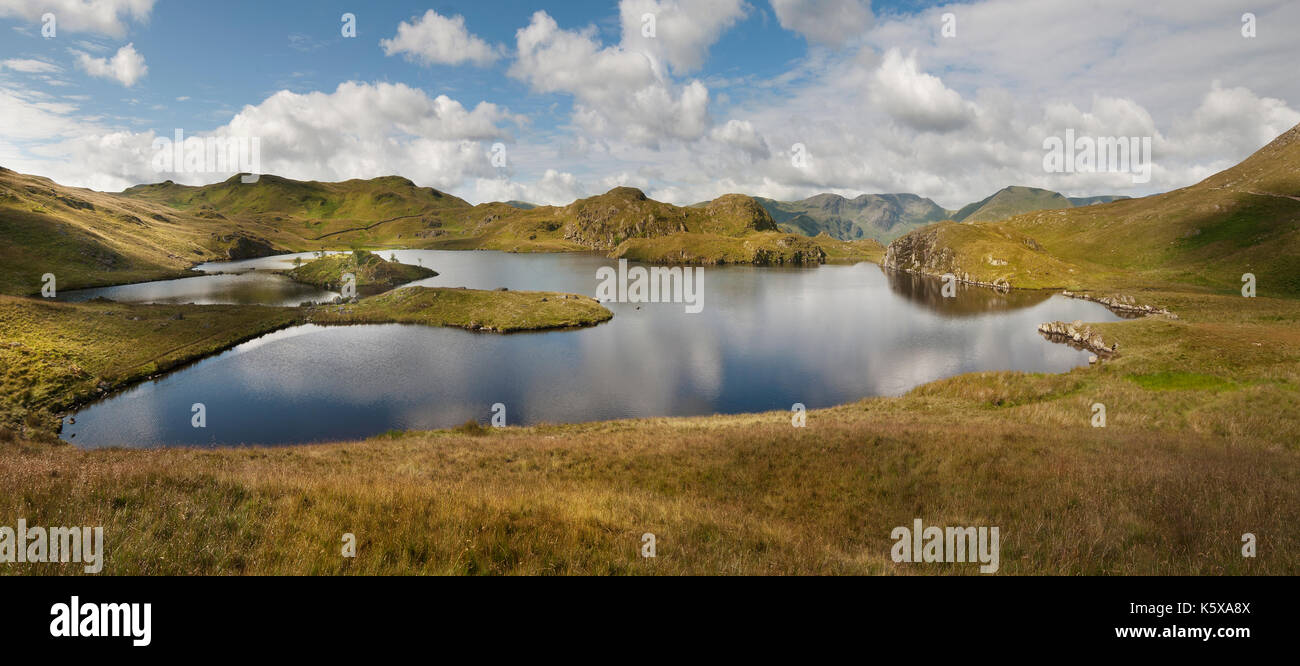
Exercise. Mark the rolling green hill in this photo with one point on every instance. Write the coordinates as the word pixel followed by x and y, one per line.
pixel 1010 201
pixel 1245 219
pixel 624 222
pixel 373 273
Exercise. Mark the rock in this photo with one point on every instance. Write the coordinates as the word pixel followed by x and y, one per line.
pixel 245 247
pixel 1092 359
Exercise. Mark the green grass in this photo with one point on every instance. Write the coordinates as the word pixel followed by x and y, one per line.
pixel 1200 445
pixel 1180 381
pixel 373 273
pixel 499 311
pixel 56 355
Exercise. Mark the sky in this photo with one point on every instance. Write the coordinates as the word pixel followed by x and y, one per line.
pixel 685 99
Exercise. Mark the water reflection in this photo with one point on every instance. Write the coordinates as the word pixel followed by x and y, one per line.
pixel 251 288
pixel 969 300
pixel 767 338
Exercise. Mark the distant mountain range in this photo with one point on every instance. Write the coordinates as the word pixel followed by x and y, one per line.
pixel 883 217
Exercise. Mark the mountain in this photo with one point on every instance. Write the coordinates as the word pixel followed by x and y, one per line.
pixel 624 222
pixel 86 238
pixel 1010 201
pixel 157 231
pixel 879 217
pixel 1245 219
pixel 1089 201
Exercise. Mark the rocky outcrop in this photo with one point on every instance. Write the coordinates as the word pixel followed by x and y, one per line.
pixel 1078 335
pixel 793 250
pixel 921 252
pixel 736 214
pixel 1122 304
pixel 245 247
pixel 604 221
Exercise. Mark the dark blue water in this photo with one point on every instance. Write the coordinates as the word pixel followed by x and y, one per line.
pixel 766 339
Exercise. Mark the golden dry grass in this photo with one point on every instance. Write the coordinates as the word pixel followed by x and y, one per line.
pixel 1180 472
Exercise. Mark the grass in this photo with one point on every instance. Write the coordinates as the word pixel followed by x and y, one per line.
pixel 1200 444
pixel 499 311
pixel 56 355
pixel 373 273
pixel 1167 487
pixel 1180 381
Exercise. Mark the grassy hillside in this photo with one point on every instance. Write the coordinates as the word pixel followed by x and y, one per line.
pixel 1010 201
pixel 311 209
pixel 55 355
pixel 625 223
pixel 1200 444
pixel 1101 199
pixel 1245 219
pixel 88 238
pixel 152 231
pixel 373 273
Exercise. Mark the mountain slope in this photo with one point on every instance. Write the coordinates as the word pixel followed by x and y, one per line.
pixel 879 217
pixel 86 238
pixel 623 222
pixel 1010 201
pixel 1245 219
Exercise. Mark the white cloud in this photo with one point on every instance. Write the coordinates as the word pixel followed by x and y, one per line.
pixel 126 66
pixel 30 66
pixel 683 31
pixel 437 40
pixel 106 17
pixel 554 188
pixel 829 22
pixel 360 130
pixel 916 99
pixel 741 134
pixel 617 93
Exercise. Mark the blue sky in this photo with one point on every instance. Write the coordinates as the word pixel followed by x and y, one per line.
pixel 719 100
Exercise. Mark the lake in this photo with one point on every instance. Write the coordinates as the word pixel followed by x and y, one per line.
pixel 766 339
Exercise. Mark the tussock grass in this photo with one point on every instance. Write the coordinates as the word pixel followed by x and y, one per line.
pixel 1167 487
pixel 500 311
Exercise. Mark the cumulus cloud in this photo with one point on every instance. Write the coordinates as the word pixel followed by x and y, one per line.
pixel 126 66
pixel 741 135
pixel 676 32
pixel 617 92
pixel 106 17
pixel 360 130
pixel 916 99
pixel 828 22
pixel 553 188
pixel 897 108
pixel 434 39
